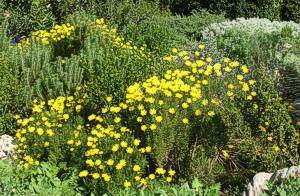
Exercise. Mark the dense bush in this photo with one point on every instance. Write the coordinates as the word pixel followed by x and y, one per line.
pixel 291 10
pixel 271 9
pixel 290 186
pixel 28 16
pixel 42 181
pixel 111 111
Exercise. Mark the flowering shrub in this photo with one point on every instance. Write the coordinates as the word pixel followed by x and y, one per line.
pixel 171 108
pixel 160 127
pixel 252 25
pixel 44 135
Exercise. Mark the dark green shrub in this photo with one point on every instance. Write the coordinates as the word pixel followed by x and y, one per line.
pixel 10 100
pixel 162 33
pixel 270 9
pixel 29 16
pixel 291 10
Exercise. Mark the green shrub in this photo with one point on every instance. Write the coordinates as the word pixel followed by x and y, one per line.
pixel 162 33
pixel 29 16
pixel 111 63
pixel 271 9
pixel 42 181
pixel 290 186
pixel 261 51
pixel 196 188
pixel 291 10
pixel 10 99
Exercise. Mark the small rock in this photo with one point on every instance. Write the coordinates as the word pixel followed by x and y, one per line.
pixel 6 146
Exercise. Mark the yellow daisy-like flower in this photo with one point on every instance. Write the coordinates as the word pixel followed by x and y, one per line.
pixel 172 111
pixel 151 176
pixel 153 127
pixel 158 118
pixel 136 142
pixel 83 173
pixel 171 172
pixel 185 121
pixel 169 179
pixel 136 168
pixel 160 171
pixel 96 176
pixel 127 184
pixel 225 154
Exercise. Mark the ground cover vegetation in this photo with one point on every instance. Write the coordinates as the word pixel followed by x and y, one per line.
pixel 148 97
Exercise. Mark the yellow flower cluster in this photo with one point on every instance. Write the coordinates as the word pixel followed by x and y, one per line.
pixel 113 155
pixel 67 31
pixel 56 34
pixel 199 84
pixel 43 130
pixel 118 41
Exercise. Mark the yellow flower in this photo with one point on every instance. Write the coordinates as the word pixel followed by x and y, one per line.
pixel 143 181
pixel 172 111
pixel 245 87
pixel 270 138
pixel 40 131
pixel 204 102
pixel 110 162
pixel 185 121
pixel 174 50
pixel 226 60
pixel 115 147
pixel 91 117
pixel 240 77
pixel 143 112
pixel 46 144
pixel 129 150
pixel 211 113
pixel 78 108
pixel 153 127
pixel 160 171
pixel 124 144
pixel 136 142
pixel 229 93
pixel 152 111
pixel 66 116
pixel 225 154
pixel 96 176
pixel 201 46
pixel 151 176
pixel 276 148
pixel 108 99
pixel 137 178
pixel 171 172
pixel 158 118
pixel 148 149
pixel 198 112
pixel 168 179
pixel 127 184
pixel 117 120
pixel 143 127
pixel 136 168
pixel 106 177
pixel 251 82
pixel 185 105
pixel 253 93
pixel 83 173
pixel 97 162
